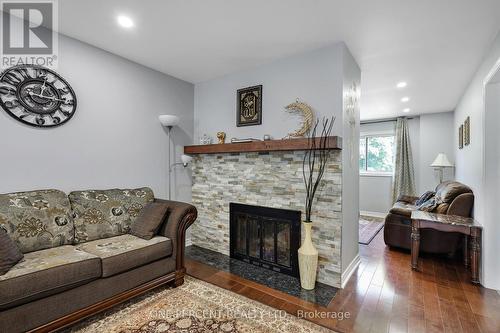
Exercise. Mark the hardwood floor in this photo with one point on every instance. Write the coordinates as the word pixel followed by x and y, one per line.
pixel 385 295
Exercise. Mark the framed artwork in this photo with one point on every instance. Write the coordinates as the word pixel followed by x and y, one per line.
pixel 249 110
pixel 461 137
pixel 467 131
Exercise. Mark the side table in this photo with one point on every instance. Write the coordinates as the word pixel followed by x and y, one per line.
pixel 448 223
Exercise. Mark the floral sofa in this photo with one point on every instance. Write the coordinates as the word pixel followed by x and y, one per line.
pixel 79 257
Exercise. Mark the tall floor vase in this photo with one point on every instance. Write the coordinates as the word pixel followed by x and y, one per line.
pixel 308 259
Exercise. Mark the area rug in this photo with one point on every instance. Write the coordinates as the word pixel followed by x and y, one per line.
pixel 369 226
pixel 194 307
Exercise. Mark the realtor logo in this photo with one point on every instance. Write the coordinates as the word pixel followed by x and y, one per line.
pixel 28 35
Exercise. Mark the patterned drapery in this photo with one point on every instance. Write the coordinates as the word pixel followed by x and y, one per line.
pixel 404 176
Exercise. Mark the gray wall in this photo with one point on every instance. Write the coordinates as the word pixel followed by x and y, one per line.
pixel 470 160
pixel 314 78
pixel 436 136
pixel 114 138
pixel 350 171
pixel 318 78
pixel 430 134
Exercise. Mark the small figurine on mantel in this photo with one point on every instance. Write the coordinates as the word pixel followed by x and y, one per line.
pixel 221 136
pixel 304 110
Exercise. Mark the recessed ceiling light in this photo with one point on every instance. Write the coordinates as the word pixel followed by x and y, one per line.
pixel 405 99
pixel 401 84
pixel 406 110
pixel 125 21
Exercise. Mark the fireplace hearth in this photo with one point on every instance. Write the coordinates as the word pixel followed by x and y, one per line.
pixel 265 237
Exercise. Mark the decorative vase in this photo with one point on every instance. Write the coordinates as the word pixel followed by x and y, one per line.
pixel 308 260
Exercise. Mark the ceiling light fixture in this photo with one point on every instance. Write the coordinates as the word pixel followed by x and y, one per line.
pixel 125 21
pixel 406 110
pixel 401 84
pixel 405 99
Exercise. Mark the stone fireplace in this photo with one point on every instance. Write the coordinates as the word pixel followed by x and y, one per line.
pixel 271 179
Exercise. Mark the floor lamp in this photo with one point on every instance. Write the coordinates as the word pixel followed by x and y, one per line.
pixel 169 121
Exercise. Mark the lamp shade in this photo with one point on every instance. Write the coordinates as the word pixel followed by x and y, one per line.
pixel 441 161
pixel 168 120
pixel 186 159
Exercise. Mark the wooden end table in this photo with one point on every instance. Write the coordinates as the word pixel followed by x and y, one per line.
pixel 448 223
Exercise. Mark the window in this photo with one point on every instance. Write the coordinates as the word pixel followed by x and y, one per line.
pixel 376 154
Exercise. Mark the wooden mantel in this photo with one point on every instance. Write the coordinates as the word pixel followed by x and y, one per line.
pixel 334 142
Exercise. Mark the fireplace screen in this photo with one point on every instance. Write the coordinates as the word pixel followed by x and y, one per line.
pixel 267 237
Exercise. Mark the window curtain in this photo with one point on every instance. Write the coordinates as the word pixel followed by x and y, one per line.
pixel 404 175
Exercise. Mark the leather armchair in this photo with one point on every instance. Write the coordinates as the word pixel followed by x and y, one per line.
pixel 453 198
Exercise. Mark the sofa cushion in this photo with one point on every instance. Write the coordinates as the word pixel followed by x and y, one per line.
pixel 149 220
pixel 403 208
pixel 447 191
pixel 9 252
pixel 107 213
pixel 121 253
pixel 37 220
pixel 47 272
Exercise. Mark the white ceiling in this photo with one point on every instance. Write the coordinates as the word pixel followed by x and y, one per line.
pixel 434 45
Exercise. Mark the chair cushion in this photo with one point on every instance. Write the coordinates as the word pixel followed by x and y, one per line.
pixel 107 213
pixel 149 220
pixel 447 191
pixel 47 272
pixel 121 253
pixel 403 208
pixel 9 253
pixel 37 220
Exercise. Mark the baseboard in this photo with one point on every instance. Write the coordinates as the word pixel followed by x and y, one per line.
pixel 346 275
pixel 376 214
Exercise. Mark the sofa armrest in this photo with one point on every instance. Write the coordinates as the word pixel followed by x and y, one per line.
pixel 462 205
pixel 180 217
pixel 407 198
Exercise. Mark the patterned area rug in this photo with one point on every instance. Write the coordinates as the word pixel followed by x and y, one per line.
pixel 369 226
pixel 195 307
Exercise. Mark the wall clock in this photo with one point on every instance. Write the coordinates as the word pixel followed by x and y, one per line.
pixel 36 96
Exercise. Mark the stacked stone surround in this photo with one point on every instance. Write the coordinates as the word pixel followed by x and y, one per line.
pixel 271 179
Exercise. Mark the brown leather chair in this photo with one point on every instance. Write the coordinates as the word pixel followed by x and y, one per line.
pixel 454 198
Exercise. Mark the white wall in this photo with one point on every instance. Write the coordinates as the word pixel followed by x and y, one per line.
pixel 314 77
pixel 114 138
pixel 430 134
pixel 470 160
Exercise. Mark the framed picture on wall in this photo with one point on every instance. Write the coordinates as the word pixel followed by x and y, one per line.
pixel 249 106
pixel 467 131
pixel 461 137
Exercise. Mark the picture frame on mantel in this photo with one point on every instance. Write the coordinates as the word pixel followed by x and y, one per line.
pixel 249 106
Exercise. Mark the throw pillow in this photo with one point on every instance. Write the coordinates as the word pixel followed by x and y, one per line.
pixel 429 206
pixel 9 253
pixel 149 220
pixel 37 220
pixel 424 197
pixel 107 213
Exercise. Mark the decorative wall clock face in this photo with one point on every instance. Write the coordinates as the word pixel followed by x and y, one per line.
pixel 37 96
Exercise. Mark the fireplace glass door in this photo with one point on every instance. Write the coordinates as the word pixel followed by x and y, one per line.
pixel 266 237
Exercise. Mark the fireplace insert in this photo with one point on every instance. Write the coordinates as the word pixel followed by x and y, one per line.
pixel 266 237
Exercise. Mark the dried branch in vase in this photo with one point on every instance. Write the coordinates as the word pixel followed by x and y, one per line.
pixel 315 160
